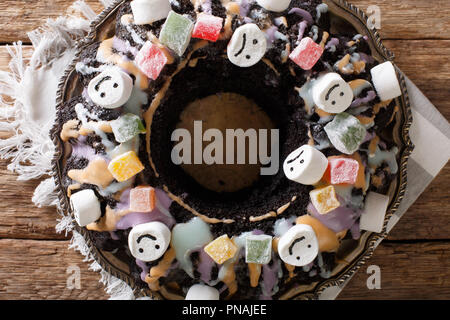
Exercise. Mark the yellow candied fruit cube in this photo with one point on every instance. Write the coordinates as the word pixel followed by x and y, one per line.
pixel 125 166
pixel 221 249
pixel 324 199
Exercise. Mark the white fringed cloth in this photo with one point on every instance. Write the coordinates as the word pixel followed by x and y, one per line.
pixel 27 113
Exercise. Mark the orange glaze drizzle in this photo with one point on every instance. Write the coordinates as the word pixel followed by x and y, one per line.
pixel 324 39
pixel 95 173
pixel 160 270
pixel 328 240
pixel 105 50
pixel 373 146
pixel 69 130
pixel 254 273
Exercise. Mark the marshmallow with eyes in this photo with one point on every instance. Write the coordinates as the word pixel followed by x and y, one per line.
pixel 306 165
pixel 86 207
pixel 202 292
pixel 274 5
pixel 331 93
pixel 248 46
pixel 149 11
pixel 299 245
pixel 149 241
pixel 385 81
pixel 110 89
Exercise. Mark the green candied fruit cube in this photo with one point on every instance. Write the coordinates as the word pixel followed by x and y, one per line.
pixel 346 133
pixel 127 127
pixel 176 32
pixel 258 249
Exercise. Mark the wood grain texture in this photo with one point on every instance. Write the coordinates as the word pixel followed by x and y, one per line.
pixel 400 276
pixel 411 19
pixel 18 17
pixel 417 268
pixel 32 269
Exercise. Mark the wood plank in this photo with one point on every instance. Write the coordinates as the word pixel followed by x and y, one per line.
pixel 17 17
pixel 411 19
pixel 19 217
pixel 39 270
pixel 407 19
pixel 426 63
pixel 429 216
pixel 408 271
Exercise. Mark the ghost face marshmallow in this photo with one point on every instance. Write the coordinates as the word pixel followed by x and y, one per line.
pixel 149 241
pixel 331 93
pixel 306 165
pixel 299 246
pixel 247 46
pixel 111 89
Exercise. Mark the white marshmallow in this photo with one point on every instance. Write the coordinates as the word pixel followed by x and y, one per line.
pixel 149 11
pixel 202 292
pixel 247 45
pixel 86 207
pixel 385 81
pixel 372 218
pixel 111 89
pixel 306 165
pixel 274 5
pixel 331 93
pixel 299 246
pixel 149 241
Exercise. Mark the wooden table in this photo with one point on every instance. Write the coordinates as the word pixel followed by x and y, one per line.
pixel 414 261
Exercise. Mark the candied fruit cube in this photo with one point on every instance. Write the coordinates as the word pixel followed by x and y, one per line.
pixel 151 60
pixel 306 54
pixel 221 249
pixel 207 27
pixel 142 199
pixel 125 166
pixel 258 249
pixel 324 199
pixel 346 133
pixel 343 171
pixel 127 127
pixel 176 32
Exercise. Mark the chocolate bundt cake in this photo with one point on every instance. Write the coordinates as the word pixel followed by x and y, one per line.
pixel 226 149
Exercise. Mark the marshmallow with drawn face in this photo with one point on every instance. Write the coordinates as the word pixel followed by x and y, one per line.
pixel 202 292
pixel 247 46
pixel 331 93
pixel 149 241
pixel 299 245
pixel 86 207
pixel 274 5
pixel 111 89
pixel 306 165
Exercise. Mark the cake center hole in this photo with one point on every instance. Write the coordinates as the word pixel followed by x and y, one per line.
pixel 224 111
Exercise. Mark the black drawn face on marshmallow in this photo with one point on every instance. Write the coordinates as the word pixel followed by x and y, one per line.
pixel 299 246
pixel 332 94
pixel 149 241
pixel 110 89
pixel 247 46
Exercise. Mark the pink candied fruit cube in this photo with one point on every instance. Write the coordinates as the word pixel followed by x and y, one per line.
pixel 343 171
pixel 151 60
pixel 306 54
pixel 207 27
pixel 142 199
